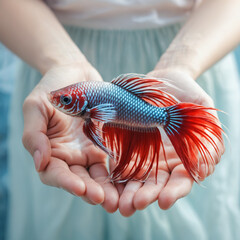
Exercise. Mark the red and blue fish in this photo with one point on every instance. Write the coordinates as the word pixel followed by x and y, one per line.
pixel 123 118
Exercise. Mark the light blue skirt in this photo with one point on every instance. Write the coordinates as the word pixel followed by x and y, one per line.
pixel 210 212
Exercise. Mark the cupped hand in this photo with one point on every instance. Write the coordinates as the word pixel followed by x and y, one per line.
pixel 173 181
pixel 63 156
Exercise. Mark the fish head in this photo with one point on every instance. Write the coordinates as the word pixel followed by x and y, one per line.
pixel 69 100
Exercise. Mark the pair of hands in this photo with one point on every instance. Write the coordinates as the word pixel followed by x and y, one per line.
pixel 65 158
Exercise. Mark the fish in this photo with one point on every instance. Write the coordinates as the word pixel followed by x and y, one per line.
pixel 127 117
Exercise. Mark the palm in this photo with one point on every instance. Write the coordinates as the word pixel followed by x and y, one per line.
pixel 71 155
pixel 173 181
pixel 73 162
pixel 67 141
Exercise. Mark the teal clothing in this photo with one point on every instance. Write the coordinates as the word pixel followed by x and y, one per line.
pixel 210 211
pixel 8 65
pixel 237 55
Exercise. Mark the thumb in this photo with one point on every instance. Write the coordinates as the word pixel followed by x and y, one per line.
pixel 34 135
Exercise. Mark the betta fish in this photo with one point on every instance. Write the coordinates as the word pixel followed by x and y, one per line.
pixel 124 117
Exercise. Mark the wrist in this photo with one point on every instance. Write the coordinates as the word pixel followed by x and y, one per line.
pixel 61 75
pixel 53 59
pixel 180 58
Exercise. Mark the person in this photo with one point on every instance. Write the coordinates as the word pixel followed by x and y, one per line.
pixel 117 37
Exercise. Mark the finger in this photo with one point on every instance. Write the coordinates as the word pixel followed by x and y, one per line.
pixel 149 192
pixel 119 186
pixel 212 157
pixel 126 206
pixel 205 170
pixel 179 185
pixel 94 192
pixel 100 174
pixel 58 174
pixel 34 134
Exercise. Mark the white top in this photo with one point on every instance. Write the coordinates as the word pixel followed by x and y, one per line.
pixel 122 14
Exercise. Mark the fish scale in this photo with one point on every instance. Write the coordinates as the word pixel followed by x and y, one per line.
pixel 131 110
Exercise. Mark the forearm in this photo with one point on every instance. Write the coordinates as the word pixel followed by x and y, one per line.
pixel 209 34
pixel 30 29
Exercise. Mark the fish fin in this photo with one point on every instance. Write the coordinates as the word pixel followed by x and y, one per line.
pixel 136 151
pixel 94 133
pixel 147 88
pixel 103 112
pixel 194 132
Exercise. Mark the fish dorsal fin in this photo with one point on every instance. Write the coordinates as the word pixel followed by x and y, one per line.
pixel 147 88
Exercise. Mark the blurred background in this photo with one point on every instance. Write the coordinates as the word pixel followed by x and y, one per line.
pixel 8 69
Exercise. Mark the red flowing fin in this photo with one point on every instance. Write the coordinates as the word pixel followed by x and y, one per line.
pixel 103 112
pixel 147 88
pixel 136 151
pixel 194 133
pixel 94 133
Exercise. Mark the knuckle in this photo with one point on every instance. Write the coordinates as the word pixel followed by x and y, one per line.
pixel 43 179
pixel 26 139
pixel 29 103
pixel 208 101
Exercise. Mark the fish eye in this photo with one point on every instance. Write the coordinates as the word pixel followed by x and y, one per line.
pixel 65 99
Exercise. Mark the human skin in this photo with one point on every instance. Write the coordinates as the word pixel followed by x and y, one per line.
pixel 48 133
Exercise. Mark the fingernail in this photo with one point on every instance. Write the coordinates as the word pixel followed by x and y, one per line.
pixel 37 159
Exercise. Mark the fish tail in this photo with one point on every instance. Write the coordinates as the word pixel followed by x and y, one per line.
pixel 194 133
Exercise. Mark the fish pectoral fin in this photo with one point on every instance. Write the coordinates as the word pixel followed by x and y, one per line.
pixel 103 112
pixel 147 88
pixel 94 132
